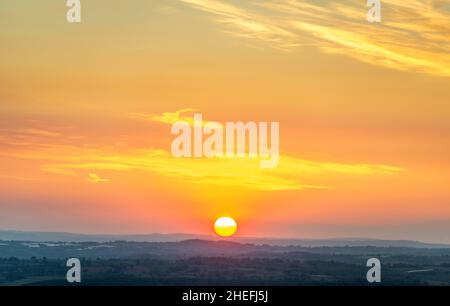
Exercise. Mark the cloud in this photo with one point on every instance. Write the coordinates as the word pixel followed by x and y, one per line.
pixel 19 178
pixel 72 159
pixel 178 116
pixel 18 136
pixel 413 35
pixel 94 178
pixel 172 117
pixel 238 172
pixel 242 22
pixel 39 132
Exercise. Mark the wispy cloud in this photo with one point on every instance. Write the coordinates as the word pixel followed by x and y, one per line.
pixel 18 136
pixel 414 34
pixel 245 23
pixel 56 156
pixel 39 132
pixel 184 115
pixel 240 172
pixel 172 117
pixel 94 178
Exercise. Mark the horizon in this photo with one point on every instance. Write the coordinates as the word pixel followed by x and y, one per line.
pixel 211 237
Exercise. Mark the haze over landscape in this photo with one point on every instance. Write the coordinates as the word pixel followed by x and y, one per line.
pixel 28 258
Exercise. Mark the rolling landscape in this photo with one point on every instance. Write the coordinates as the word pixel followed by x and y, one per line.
pixel 173 260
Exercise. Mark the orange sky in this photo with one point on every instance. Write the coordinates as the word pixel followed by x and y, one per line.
pixel 363 109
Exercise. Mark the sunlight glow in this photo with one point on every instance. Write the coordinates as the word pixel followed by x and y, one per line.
pixel 225 226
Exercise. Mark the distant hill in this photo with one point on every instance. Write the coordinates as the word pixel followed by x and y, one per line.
pixel 73 237
pixel 197 248
pixel 8 235
pixel 342 242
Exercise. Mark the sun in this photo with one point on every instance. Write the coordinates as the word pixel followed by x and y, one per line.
pixel 225 226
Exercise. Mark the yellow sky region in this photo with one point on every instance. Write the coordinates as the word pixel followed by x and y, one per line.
pixel 363 108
